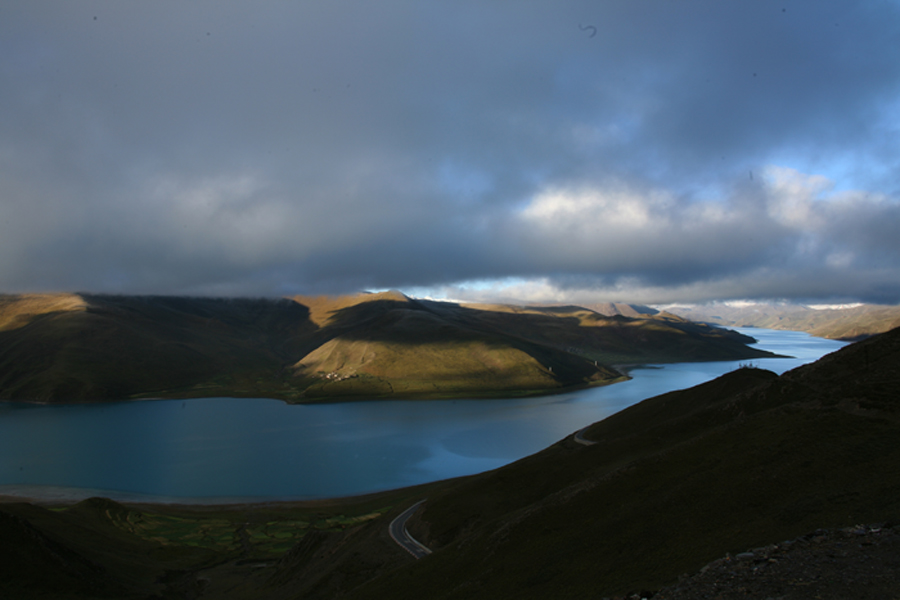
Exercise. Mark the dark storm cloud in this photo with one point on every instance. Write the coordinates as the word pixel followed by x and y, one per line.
pixel 637 149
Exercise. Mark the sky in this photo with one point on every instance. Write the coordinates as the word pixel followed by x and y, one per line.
pixel 648 151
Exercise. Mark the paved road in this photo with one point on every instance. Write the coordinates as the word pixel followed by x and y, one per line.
pixel 579 438
pixel 398 532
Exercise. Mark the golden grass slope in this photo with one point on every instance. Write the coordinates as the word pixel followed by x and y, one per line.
pixel 323 308
pixel 19 310
pixel 487 369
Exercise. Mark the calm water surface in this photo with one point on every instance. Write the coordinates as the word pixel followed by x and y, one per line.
pixel 227 449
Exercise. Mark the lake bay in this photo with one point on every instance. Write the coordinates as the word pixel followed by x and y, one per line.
pixel 239 449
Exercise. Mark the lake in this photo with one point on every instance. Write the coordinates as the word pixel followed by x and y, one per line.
pixel 212 450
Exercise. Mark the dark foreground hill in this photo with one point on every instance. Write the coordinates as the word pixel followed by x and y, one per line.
pixel 674 482
pixel 78 347
pixel 746 461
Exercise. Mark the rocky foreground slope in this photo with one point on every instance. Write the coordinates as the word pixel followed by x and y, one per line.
pixel 862 561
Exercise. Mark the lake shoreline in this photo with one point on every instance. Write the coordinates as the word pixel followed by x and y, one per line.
pixel 221 450
pixel 405 396
pixel 59 500
pixel 624 369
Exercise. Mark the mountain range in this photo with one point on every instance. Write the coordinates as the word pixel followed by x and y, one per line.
pixel 82 347
pixel 840 322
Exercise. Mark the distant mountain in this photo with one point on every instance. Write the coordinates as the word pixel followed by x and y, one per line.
pixel 81 347
pixel 629 506
pixel 848 323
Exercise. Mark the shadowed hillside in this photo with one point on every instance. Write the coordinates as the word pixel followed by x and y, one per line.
pixel 81 347
pixel 620 308
pixel 674 482
pixel 653 492
pixel 113 347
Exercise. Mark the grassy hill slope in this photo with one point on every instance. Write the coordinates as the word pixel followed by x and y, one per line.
pixel 401 346
pixel 80 347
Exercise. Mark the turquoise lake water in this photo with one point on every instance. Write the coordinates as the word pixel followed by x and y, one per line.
pixel 238 449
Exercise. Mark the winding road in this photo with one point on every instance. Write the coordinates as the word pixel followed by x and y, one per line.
pixel 398 532
pixel 579 438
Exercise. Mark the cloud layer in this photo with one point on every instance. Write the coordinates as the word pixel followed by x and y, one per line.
pixel 626 150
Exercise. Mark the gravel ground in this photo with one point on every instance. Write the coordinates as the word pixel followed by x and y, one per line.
pixel 860 562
